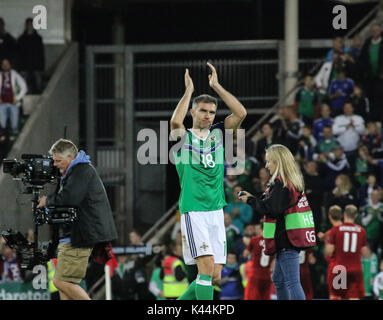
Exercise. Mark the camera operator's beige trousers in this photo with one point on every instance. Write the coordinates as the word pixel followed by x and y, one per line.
pixel 71 263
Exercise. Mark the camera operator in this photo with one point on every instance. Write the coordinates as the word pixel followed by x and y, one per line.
pixel 80 187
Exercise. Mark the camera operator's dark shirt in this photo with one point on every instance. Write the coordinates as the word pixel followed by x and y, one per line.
pixel 83 189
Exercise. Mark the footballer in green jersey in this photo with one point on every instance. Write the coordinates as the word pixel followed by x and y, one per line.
pixel 200 167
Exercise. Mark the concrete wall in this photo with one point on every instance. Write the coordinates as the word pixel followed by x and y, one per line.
pixel 56 107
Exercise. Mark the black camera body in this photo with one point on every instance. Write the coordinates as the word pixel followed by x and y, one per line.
pixel 31 253
pixel 25 249
pixel 37 169
pixel 55 215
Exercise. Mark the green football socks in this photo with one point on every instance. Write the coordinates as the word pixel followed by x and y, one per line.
pixel 199 289
pixel 204 289
pixel 189 294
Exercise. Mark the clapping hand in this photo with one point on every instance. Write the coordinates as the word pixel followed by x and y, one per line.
pixel 188 82
pixel 213 77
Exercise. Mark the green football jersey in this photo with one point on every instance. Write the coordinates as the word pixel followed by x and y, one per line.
pixel 200 167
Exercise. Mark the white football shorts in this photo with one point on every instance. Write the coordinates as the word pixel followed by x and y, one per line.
pixel 203 233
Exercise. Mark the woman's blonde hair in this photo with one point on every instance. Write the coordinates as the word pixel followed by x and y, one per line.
pixel 286 166
pixel 345 186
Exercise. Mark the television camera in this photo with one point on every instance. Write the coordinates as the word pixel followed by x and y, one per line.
pixel 35 172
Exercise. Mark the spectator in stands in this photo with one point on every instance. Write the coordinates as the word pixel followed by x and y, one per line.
pixel 232 232
pixel 324 120
pixel 366 190
pixel 370 270
pixel 343 194
pixel 280 126
pixel 260 184
pixel 251 165
pixel 338 47
pixel 327 144
pixel 314 191
pixel 325 75
pixel 31 57
pixel 356 46
pixel 240 212
pixel 307 145
pixel 306 100
pixel 371 67
pixel 231 181
pixel 263 143
pixel 378 282
pixel 231 281
pixel 294 129
pixel 13 89
pixel 335 163
pixel 373 140
pixel 135 238
pixel 360 102
pixel 348 128
pixel 129 280
pixel 340 91
pixel 8 46
pixel 371 220
pixel 362 166
pixel 378 163
pixel 242 242
pixel 350 66
pixel 10 266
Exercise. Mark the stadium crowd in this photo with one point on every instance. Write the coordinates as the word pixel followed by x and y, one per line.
pixel 22 63
pixel 334 129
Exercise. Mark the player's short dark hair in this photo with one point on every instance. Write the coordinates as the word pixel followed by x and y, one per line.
pixel 351 211
pixel 204 98
pixel 335 212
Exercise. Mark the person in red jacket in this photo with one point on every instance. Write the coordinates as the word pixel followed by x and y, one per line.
pixel 347 244
pixel 335 216
pixel 259 283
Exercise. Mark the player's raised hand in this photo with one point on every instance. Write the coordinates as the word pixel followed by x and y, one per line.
pixel 188 81
pixel 213 77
